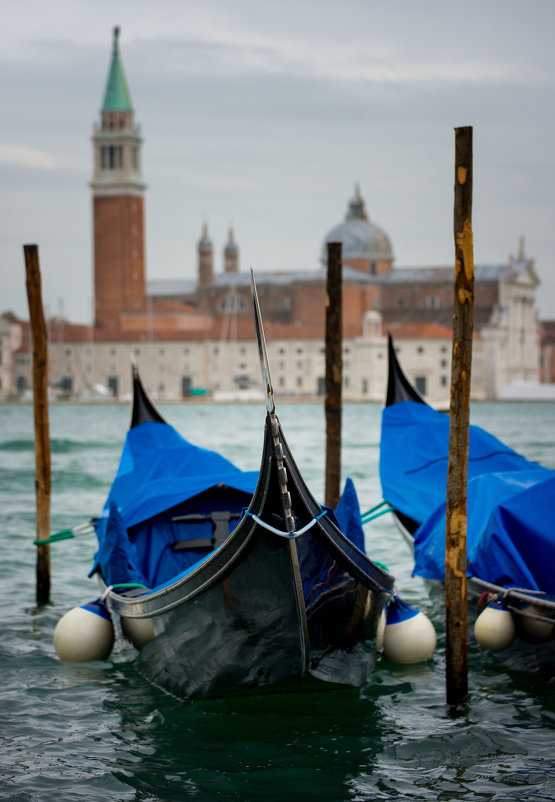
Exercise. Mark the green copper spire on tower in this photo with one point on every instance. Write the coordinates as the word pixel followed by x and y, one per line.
pixel 116 96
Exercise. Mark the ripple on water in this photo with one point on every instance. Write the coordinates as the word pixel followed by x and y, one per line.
pixel 100 732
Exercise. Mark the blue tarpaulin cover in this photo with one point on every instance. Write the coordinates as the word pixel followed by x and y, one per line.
pixel 347 515
pixel 116 555
pixel 511 501
pixel 158 470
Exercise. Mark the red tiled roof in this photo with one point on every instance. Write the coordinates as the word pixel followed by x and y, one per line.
pixel 418 331
pixel 61 331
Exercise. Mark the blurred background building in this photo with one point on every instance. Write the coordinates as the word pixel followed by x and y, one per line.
pixel 195 337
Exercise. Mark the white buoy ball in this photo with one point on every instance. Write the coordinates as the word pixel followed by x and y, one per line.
pixel 138 630
pixel 84 633
pixel 380 631
pixel 494 628
pixel 409 635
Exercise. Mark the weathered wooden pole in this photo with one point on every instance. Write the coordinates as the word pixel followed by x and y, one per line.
pixel 456 512
pixel 42 428
pixel 334 373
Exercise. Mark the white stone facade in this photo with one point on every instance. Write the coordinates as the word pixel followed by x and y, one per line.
pixel 11 338
pixel 505 351
pixel 225 370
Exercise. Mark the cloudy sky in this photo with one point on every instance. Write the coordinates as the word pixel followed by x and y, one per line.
pixel 264 115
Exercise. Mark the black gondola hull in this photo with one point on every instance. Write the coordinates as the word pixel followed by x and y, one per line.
pixel 265 610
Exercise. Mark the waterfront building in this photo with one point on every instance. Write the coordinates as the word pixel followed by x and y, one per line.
pixel 195 337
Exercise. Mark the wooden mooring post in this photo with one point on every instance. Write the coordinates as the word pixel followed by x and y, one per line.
pixel 42 427
pixel 456 615
pixel 334 373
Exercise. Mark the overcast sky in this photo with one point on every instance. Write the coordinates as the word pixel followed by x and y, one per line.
pixel 264 115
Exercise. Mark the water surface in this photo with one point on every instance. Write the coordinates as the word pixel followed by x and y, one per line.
pixel 99 731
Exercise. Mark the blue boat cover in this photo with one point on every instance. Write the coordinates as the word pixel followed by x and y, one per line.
pixel 510 534
pixel 159 470
pixel 347 516
pixel 117 556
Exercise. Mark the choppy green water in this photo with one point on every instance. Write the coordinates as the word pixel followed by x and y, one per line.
pixel 100 732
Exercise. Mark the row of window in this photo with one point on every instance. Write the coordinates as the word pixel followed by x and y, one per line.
pixel 282 365
pixel 430 302
pixel 244 350
pixel 420 381
pixel 111 157
pixel 66 384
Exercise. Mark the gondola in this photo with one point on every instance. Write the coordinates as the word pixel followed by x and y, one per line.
pixel 510 532
pixel 228 586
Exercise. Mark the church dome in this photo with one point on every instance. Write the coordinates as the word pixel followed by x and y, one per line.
pixel 360 238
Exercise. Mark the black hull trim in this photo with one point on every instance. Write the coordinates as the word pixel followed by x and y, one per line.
pixel 399 388
pixel 143 410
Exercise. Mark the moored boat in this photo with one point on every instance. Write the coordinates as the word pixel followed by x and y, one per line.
pixel 228 585
pixel 510 533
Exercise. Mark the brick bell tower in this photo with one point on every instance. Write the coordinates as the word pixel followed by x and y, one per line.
pixel 118 204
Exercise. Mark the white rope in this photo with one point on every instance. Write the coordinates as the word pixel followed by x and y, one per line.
pixel 280 532
pixel 83 529
pixel 106 593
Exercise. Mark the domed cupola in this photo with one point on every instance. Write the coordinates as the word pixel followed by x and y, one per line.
pixel 365 246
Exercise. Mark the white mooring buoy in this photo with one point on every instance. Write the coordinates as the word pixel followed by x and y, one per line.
pixel 534 630
pixel 409 635
pixel 494 628
pixel 84 633
pixel 138 630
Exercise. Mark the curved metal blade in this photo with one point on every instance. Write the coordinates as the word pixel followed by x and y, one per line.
pixel 262 352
